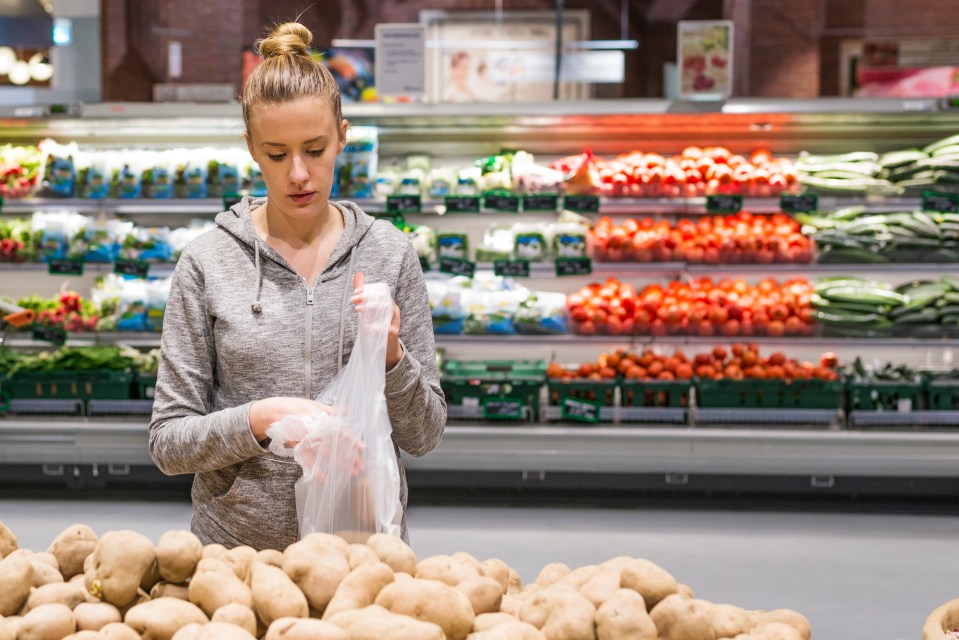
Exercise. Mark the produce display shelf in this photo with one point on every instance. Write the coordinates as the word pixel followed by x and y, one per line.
pixel 119 407
pixel 554 414
pixel 184 206
pixel 156 268
pixel 768 417
pixel 904 419
pixel 44 406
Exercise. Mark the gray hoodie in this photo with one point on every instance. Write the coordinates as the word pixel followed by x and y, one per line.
pixel 241 325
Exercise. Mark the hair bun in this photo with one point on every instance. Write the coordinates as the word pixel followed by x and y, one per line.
pixel 288 39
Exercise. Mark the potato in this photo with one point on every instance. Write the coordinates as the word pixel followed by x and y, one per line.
pixel 359 588
pixel 47 622
pixel 276 596
pixel 159 619
pixel 430 601
pixel 467 558
pixel 120 560
pixel 191 631
pixel 118 631
pixel 551 573
pixel 376 623
pixel 141 597
pixel 317 569
pixel 170 590
pixel 601 586
pixel 485 594
pixel 271 557
pixel 578 577
pixel 43 572
pixel 327 540
pixel 212 631
pixel 8 541
pixel 84 635
pixel 515 583
pixel 679 618
pixel 8 630
pixel 730 621
pixel 622 616
pixel 394 552
pixel 93 617
pixel 72 547
pixel 775 631
pixel 239 559
pixel 649 580
pixel 238 615
pixel 217 551
pixel 514 630
pixel 178 553
pixel 486 621
pixel 511 604
pixel 304 629
pixel 48 559
pixel 16 576
pixel 943 618
pixel 496 569
pixel 447 569
pixel 793 618
pixel 66 593
pixel 561 613
pixel 214 584
pixel 359 554
pixel 684 590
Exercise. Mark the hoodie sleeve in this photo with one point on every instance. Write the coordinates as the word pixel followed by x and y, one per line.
pixel 186 436
pixel 414 400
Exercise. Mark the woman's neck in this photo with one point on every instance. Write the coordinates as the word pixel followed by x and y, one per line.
pixel 271 223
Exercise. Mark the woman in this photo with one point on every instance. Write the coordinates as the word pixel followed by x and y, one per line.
pixel 259 317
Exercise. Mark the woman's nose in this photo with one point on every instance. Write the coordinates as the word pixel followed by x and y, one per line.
pixel 298 172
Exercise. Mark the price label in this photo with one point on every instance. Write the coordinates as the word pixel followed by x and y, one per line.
pixel 574 266
pixel 515 268
pixel 577 410
pixel 581 204
pixel 65 267
pixel 55 335
pixel 135 268
pixel 499 202
pixel 503 408
pixel 462 204
pixel 798 202
pixel 405 203
pixel 231 199
pixel 540 202
pixel 457 267
pixel 724 204
pixel 942 202
pixel 424 264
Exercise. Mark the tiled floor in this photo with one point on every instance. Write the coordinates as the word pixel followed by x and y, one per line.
pixel 855 576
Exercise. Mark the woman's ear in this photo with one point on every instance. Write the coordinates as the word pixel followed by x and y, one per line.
pixel 344 130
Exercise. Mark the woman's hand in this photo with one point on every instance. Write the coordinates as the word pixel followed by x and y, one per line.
pixel 394 351
pixel 263 413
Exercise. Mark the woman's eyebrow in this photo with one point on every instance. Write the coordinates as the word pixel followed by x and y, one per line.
pixel 310 141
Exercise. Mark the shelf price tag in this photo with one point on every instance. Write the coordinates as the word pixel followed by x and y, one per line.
pixel 540 202
pixel 515 268
pixel 65 267
pixel 798 202
pixel 574 266
pixel 231 199
pixel 424 264
pixel 941 202
pixel 578 410
pixel 135 268
pixel 581 204
pixel 724 203
pixel 405 203
pixel 462 204
pixel 55 335
pixel 457 267
pixel 501 202
pixel 503 408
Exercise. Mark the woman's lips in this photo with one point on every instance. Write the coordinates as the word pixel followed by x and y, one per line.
pixel 302 198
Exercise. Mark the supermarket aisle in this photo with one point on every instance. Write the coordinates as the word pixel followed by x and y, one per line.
pixel 856 577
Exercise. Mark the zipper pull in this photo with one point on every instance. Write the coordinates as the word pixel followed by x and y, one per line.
pixel 309 295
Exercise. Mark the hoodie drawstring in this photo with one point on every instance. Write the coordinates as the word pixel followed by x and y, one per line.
pixel 347 288
pixel 256 306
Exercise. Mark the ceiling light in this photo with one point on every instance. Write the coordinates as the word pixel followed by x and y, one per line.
pixel 20 73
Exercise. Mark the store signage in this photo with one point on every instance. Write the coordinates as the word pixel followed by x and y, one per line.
pixel 400 59
pixel 574 266
pixel 578 66
pixel 457 267
pixel 65 267
pixel 45 333
pixel 514 268
pixel 798 202
pixel 540 202
pixel 405 203
pixel 134 268
pixel 942 202
pixel 581 204
pixel 462 204
pixel 424 264
pixel 577 410
pixel 231 199
pixel 724 204
pixel 503 408
pixel 501 202
pixel 705 55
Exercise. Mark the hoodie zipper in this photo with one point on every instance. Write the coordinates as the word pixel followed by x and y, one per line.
pixel 308 350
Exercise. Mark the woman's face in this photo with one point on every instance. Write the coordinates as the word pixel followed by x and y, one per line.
pixel 296 144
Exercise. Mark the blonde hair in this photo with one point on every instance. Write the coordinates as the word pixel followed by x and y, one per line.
pixel 289 72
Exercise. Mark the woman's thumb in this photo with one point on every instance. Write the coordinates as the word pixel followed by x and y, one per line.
pixel 358 280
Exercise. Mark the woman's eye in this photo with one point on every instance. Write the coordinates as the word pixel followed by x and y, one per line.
pixel 277 157
pixel 316 152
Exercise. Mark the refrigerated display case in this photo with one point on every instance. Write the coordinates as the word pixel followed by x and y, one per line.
pixel 801 449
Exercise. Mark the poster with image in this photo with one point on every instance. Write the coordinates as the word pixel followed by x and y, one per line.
pixel 705 59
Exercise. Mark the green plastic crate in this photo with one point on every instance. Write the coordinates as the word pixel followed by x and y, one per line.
pixel 654 393
pixel 4 394
pixel 884 396
pixel 942 395
pixel 94 384
pixel 146 385
pixel 813 394
pixel 601 391
pixel 769 394
pixel 484 381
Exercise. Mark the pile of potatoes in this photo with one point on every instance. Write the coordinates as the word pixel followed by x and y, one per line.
pixel 943 622
pixel 120 586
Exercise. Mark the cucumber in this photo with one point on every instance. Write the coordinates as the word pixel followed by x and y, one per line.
pixel 847 254
pixel 873 295
pixel 860 185
pixel 941 144
pixel 898 158
pixel 855 156
pixel 929 315
pixel 852 319
pixel 952 282
pixel 867 169
pixel 843 307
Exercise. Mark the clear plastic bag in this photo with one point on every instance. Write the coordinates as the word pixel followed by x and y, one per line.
pixel 351 479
